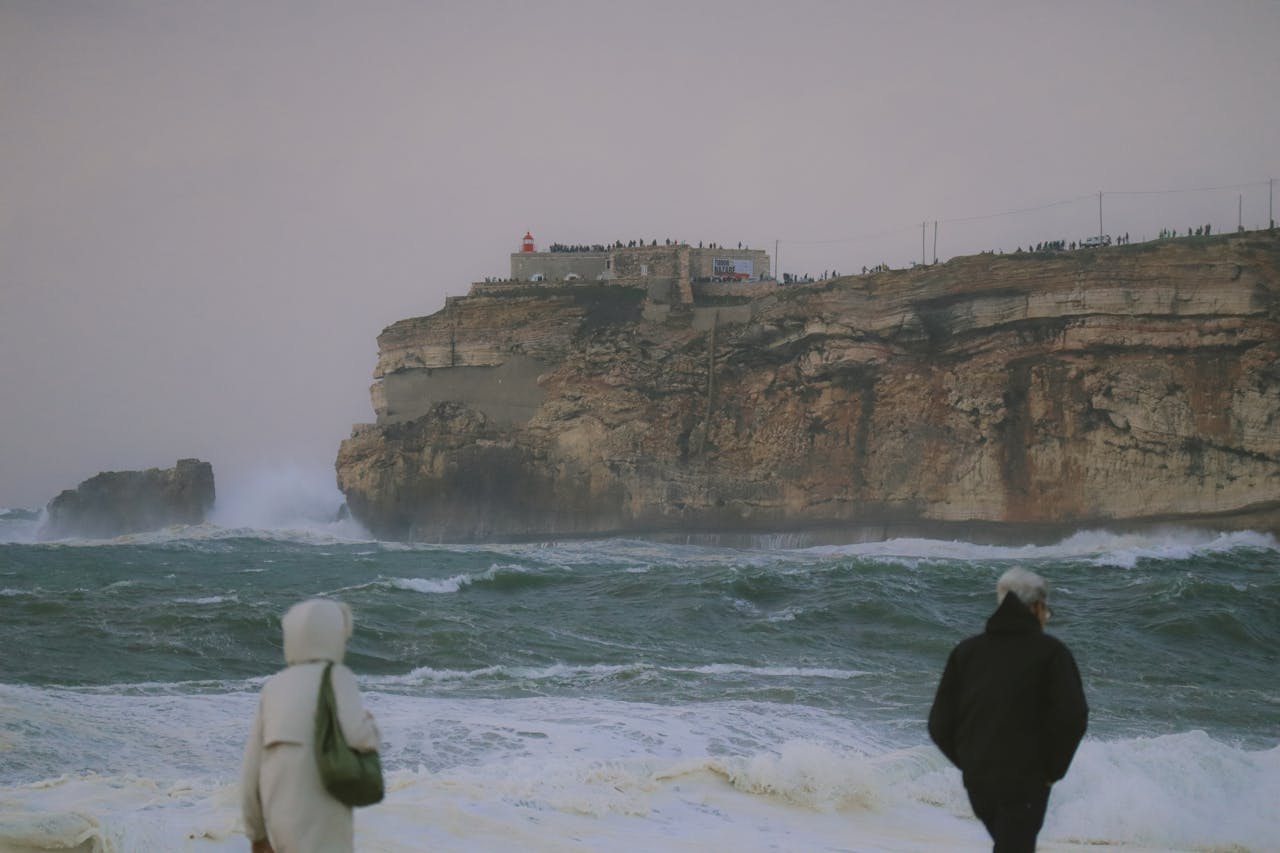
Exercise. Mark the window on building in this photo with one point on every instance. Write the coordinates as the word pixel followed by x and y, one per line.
pixel 644 269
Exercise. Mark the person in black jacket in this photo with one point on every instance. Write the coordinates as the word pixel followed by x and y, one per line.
pixel 1010 712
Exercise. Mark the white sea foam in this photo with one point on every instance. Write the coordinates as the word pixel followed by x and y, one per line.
pixel 210 536
pixel 1102 548
pixel 585 775
pixel 772 671
pixel 295 507
pixel 319 534
pixel 440 586
pixel 1094 547
pixel 432 587
pixel 208 599
pixel 281 497
pixel 285 503
pixel 424 675
pixel 1125 554
pixel 573 672
pixel 20 530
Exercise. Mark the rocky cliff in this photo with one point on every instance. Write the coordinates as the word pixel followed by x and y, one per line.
pixel 118 502
pixel 1019 394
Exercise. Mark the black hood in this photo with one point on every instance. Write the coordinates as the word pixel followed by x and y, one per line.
pixel 1012 617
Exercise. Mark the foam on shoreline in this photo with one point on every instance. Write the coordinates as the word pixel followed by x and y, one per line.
pixel 579 775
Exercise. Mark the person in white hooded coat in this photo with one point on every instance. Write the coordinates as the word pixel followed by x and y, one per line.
pixel 286 808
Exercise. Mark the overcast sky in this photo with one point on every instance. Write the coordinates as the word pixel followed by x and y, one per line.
pixel 209 210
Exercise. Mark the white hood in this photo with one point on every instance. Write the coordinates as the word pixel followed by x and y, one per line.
pixel 316 629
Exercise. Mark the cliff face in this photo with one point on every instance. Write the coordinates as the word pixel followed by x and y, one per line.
pixel 117 502
pixel 1109 386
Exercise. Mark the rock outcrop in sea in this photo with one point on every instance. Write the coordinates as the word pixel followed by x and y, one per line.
pixel 114 503
pixel 1023 395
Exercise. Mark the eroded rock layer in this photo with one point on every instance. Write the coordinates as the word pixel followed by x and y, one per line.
pixel 1029 392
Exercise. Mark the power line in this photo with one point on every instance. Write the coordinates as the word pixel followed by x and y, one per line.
pixel 856 239
pixel 1022 210
pixel 1065 201
pixel 903 228
pixel 1188 190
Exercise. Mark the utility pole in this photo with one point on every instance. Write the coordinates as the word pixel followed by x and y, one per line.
pixel 1271 198
pixel 1240 212
pixel 923 258
pixel 711 377
pixel 935 241
pixel 1099 213
pixel 777 263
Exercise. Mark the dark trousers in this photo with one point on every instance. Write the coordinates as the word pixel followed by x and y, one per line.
pixel 1012 812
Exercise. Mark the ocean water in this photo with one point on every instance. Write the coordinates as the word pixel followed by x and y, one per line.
pixel 624 695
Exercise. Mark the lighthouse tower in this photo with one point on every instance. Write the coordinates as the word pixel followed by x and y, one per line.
pixel 526 245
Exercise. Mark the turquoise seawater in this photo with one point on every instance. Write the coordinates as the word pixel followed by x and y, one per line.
pixel 784 672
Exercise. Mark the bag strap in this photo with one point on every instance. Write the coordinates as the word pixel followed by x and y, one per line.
pixel 325 698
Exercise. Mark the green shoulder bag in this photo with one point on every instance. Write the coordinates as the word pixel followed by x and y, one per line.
pixel 354 778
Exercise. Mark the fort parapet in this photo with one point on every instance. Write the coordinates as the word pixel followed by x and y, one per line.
pixel 668 272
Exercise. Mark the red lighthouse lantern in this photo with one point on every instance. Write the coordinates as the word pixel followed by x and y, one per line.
pixel 527 244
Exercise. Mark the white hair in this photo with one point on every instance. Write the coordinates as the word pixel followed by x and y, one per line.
pixel 1029 587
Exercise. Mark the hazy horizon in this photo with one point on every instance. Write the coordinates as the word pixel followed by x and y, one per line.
pixel 209 211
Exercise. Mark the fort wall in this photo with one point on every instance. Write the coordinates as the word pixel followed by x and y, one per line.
pixel 507 393
pixel 677 264
pixel 528 266
pixel 511 286
pixel 703 262
pixel 753 289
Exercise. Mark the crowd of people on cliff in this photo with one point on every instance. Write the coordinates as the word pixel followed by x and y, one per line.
pixel 1122 240
pixel 1172 233
pixel 1045 246
pixel 807 278
pixel 793 278
pixel 630 244
pixel 563 247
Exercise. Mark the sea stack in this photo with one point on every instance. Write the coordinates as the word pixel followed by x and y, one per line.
pixel 114 503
